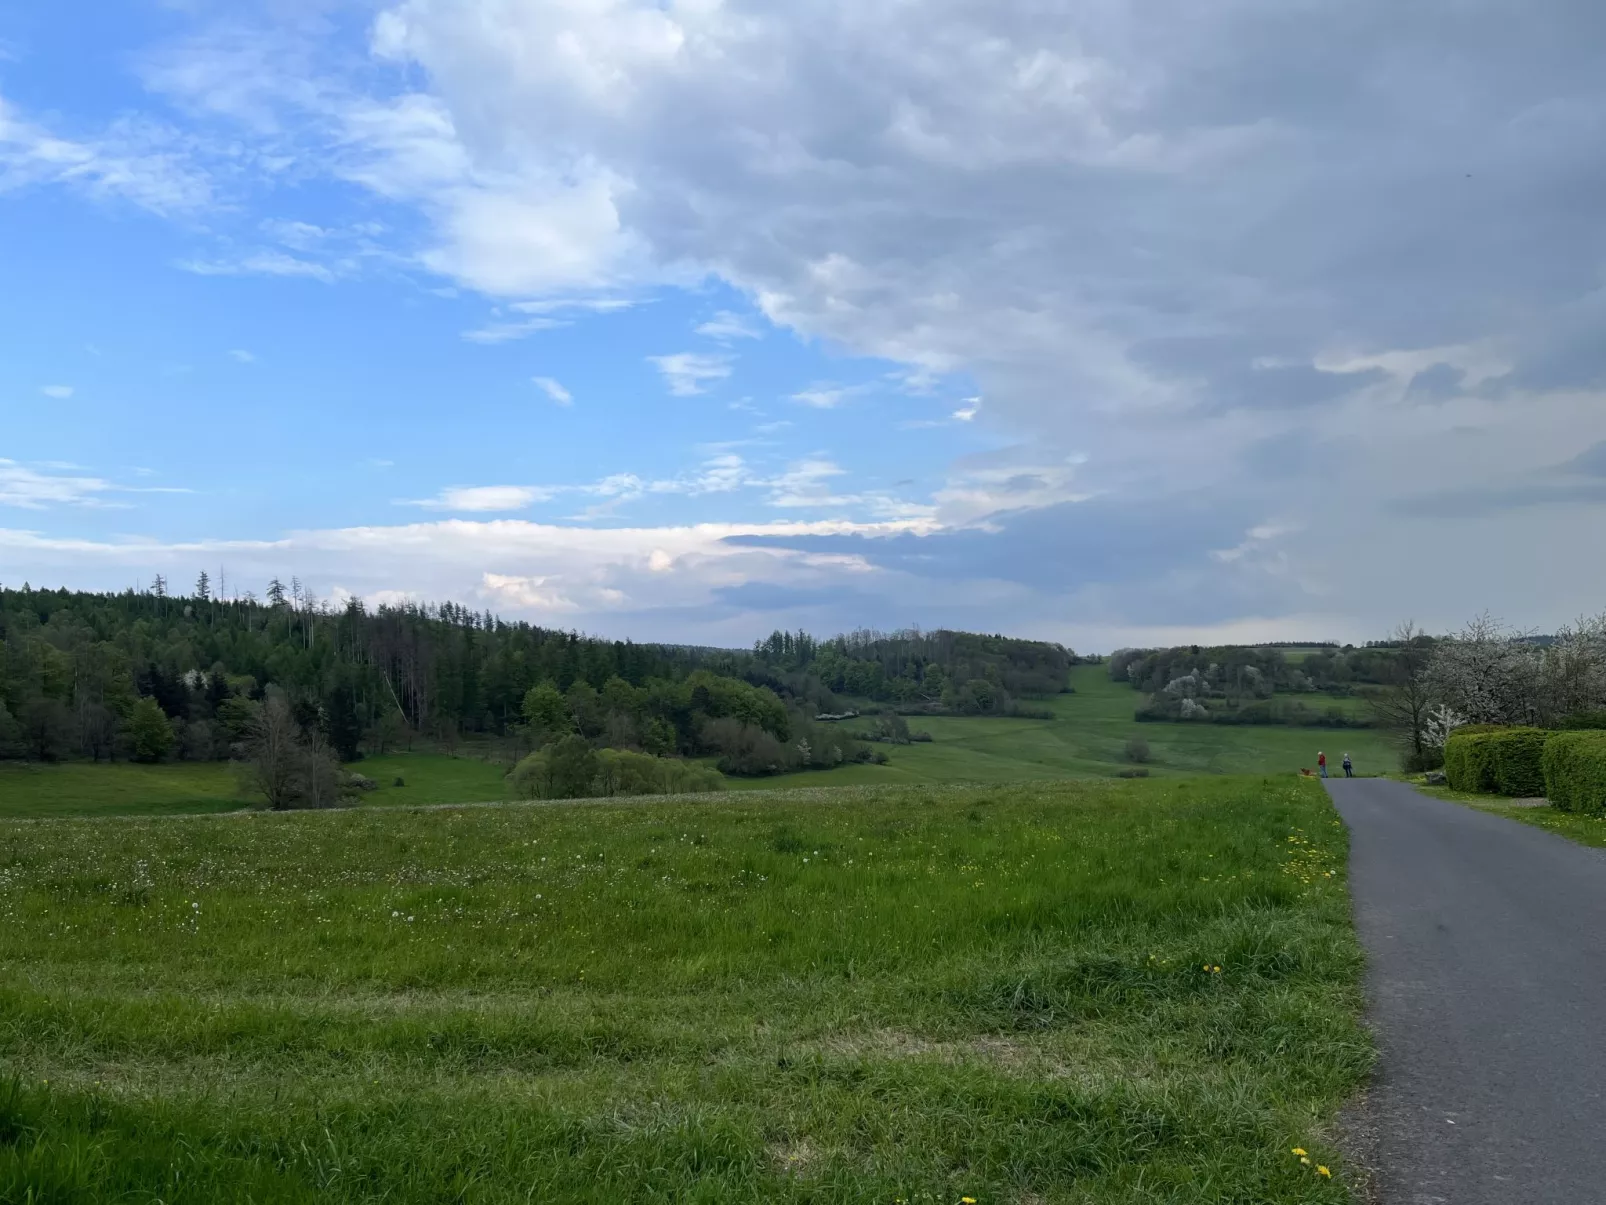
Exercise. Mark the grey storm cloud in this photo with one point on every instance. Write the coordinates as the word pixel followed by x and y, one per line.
pixel 1330 271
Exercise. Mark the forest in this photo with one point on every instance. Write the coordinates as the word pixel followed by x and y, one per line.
pixel 148 676
pixel 1241 684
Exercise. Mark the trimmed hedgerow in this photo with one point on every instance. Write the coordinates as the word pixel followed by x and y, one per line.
pixel 1468 764
pixel 1575 771
pixel 1518 757
pixel 1496 761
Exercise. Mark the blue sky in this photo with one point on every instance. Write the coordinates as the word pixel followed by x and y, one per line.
pixel 692 319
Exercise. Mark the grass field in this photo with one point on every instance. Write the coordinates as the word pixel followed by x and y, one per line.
pixel 82 789
pixel 122 788
pixel 1088 992
pixel 1087 738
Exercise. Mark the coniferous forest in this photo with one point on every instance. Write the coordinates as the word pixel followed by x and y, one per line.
pixel 149 675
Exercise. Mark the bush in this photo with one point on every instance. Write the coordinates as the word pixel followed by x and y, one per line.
pixel 1584 720
pixel 1496 761
pixel 1135 772
pixel 570 769
pixel 1137 750
pixel 1575 772
pixel 1421 763
pixel 621 772
pixel 150 738
pixel 1518 756
pixel 1468 762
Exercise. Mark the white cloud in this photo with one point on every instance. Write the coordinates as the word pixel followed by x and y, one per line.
pixel 686 373
pixel 60 392
pixel 726 326
pixel 132 160
pixel 478 498
pixel 243 356
pixel 259 263
pixel 595 305
pixel 969 410
pixel 507 332
pixel 823 397
pixel 1134 236
pixel 555 391
pixel 57 483
pixel 1224 253
pixel 617 577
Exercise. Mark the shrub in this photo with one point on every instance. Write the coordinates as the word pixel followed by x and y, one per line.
pixel 565 769
pixel 149 736
pixel 1575 771
pixel 1419 763
pixel 621 772
pixel 570 769
pixel 1137 750
pixel 1133 772
pixel 1468 764
pixel 1518 755
pixel 1584 720
pixel 1496 761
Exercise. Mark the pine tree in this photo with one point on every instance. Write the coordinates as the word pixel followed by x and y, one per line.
pixel 203 587
pixel 345 729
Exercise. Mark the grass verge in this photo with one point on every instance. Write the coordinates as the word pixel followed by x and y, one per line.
pixel 1586 830
pixel 1092 993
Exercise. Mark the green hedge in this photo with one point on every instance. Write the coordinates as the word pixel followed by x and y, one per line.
pixel 1575 772
pixel 1519 761
pixel 1496 761
pixel 1468 763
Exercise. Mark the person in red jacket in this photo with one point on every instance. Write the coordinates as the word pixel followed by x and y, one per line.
pixel 1321 763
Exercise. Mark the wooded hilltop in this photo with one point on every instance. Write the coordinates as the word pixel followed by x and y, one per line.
pixel 149 676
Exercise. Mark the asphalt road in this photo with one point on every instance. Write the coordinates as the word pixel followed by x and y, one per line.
pixel 1487 948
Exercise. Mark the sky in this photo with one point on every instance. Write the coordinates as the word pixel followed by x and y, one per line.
pixel 1110 322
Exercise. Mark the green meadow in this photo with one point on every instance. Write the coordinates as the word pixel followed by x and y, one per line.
pixel 1086 739
pixel 122 788
pixel 1083 992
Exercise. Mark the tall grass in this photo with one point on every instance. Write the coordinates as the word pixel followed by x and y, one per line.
pixel 1095 992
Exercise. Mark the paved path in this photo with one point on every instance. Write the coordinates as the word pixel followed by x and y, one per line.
pixel 1487 945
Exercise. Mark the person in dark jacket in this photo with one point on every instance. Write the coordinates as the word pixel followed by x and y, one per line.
pixel 1349 767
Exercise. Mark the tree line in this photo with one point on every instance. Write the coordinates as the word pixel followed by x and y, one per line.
pixel 1241 684
pixel 959 673
pixel 1490 674
pixel 151 675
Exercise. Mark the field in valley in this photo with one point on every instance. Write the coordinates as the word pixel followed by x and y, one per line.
pixel 1087 992
pixel 1086 739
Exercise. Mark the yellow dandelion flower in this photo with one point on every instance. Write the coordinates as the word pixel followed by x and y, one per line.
pixel 1299 1150
pixel 1322 1171
pixel 967 1201
pixel 1304 1160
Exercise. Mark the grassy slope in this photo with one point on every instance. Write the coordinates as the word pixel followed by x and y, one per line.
pixel 1009 994
pixel 1088 737
pixel 81 789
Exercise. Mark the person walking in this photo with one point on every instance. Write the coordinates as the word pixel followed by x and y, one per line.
pixel 1349 767
pixel 1321 763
